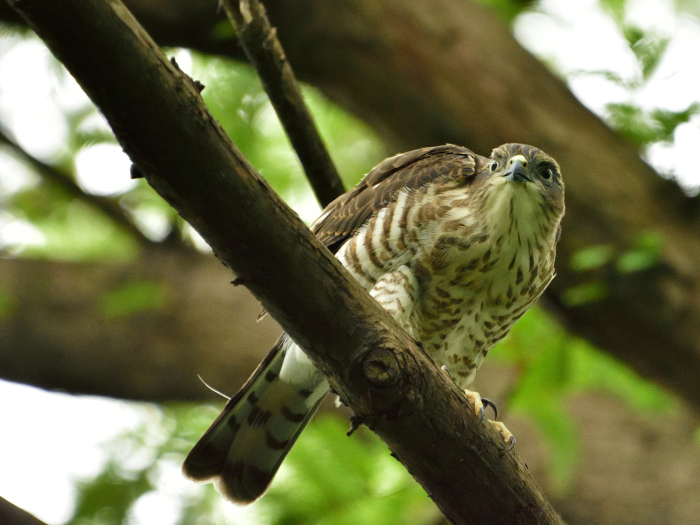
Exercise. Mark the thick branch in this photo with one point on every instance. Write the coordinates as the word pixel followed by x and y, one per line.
pixel 61 318
pixel 189 160
pixel 261 45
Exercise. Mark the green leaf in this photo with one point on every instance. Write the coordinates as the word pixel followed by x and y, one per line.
pixel 645 254
pixel 540 393
pixel 648 48
pixel 585 293
pixel 596 370
pixel 563 444
pixel 134 297
pixel 7 304
pixel 667 121
pixel 615 8
pixel 591 257
pixel 509 9
pixel 106 499
pixel 631 122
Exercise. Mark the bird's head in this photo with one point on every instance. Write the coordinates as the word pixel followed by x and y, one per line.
pixel 524 184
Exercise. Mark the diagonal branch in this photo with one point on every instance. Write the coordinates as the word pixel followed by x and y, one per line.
pixel 12 515
pixel 260 43
pixel 56 176
pixel 162 123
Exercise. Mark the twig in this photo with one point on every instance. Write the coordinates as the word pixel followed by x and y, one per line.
pixel 57 176
pixel 260 43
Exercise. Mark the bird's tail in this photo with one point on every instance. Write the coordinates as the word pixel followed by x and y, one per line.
pixel 246 444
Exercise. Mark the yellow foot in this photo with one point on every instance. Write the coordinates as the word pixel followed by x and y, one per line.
pixel 475 398
pixel 508 437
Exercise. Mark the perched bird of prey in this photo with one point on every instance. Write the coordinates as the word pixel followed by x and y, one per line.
pixel 455 246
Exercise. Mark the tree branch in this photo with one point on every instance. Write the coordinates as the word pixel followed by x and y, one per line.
pixel 12 515
pixel 189 160
pixel 56 176
pixel 259 40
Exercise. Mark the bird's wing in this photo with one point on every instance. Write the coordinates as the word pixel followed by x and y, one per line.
pixel 381 186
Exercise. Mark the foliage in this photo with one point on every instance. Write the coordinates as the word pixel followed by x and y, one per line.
pixel 134 297
pixel 596 263
pixel 328 478
pixel 554 367
pixel 508 10
pixel 638 124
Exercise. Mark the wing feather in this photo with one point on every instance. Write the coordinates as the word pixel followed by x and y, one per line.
pixel 381 186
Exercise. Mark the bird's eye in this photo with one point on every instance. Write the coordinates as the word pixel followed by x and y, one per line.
pixel 546 173
pixel 494 165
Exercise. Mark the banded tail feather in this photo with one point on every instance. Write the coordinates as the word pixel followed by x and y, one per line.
pixel 244 447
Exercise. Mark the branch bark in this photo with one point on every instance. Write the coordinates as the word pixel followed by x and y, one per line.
pixel 59 320
pixel 161 122
pixel 12 515
pixel 263 49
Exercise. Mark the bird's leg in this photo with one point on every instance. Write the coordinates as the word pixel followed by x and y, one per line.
pixel 479 404
pixel 475 399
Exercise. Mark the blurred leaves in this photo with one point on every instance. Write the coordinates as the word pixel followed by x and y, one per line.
pixel 599 261
pixel 345 480
pixel 553 367
pixel 585 293
pixel 328 478
pixel 235 97
pixel 509 9
pixel 591 258
pixel 648 127
pixel 134 297
pixel 7 304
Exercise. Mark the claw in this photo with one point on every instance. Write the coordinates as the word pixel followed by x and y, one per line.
pixel 508 437
pixel 489 403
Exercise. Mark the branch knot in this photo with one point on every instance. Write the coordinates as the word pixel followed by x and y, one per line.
pixel 381 368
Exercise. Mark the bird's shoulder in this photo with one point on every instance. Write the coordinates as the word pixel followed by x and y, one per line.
pixel 381 187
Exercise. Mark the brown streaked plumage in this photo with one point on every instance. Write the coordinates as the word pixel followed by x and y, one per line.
pixel 455 246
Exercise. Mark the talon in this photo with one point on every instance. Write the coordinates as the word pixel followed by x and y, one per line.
pixel 506 434
pixel 475 398
pixel 447 371
pixel 355 423
pixel 489 403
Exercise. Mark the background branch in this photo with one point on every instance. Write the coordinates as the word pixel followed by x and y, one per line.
pixel 54 175
pixel 188 159
pixel 263 49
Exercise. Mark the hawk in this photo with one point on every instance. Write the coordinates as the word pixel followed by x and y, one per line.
pixel 455 246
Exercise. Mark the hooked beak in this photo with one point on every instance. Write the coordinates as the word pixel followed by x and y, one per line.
pixel 516 169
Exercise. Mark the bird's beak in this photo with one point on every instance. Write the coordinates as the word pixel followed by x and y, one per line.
pixel 516 169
